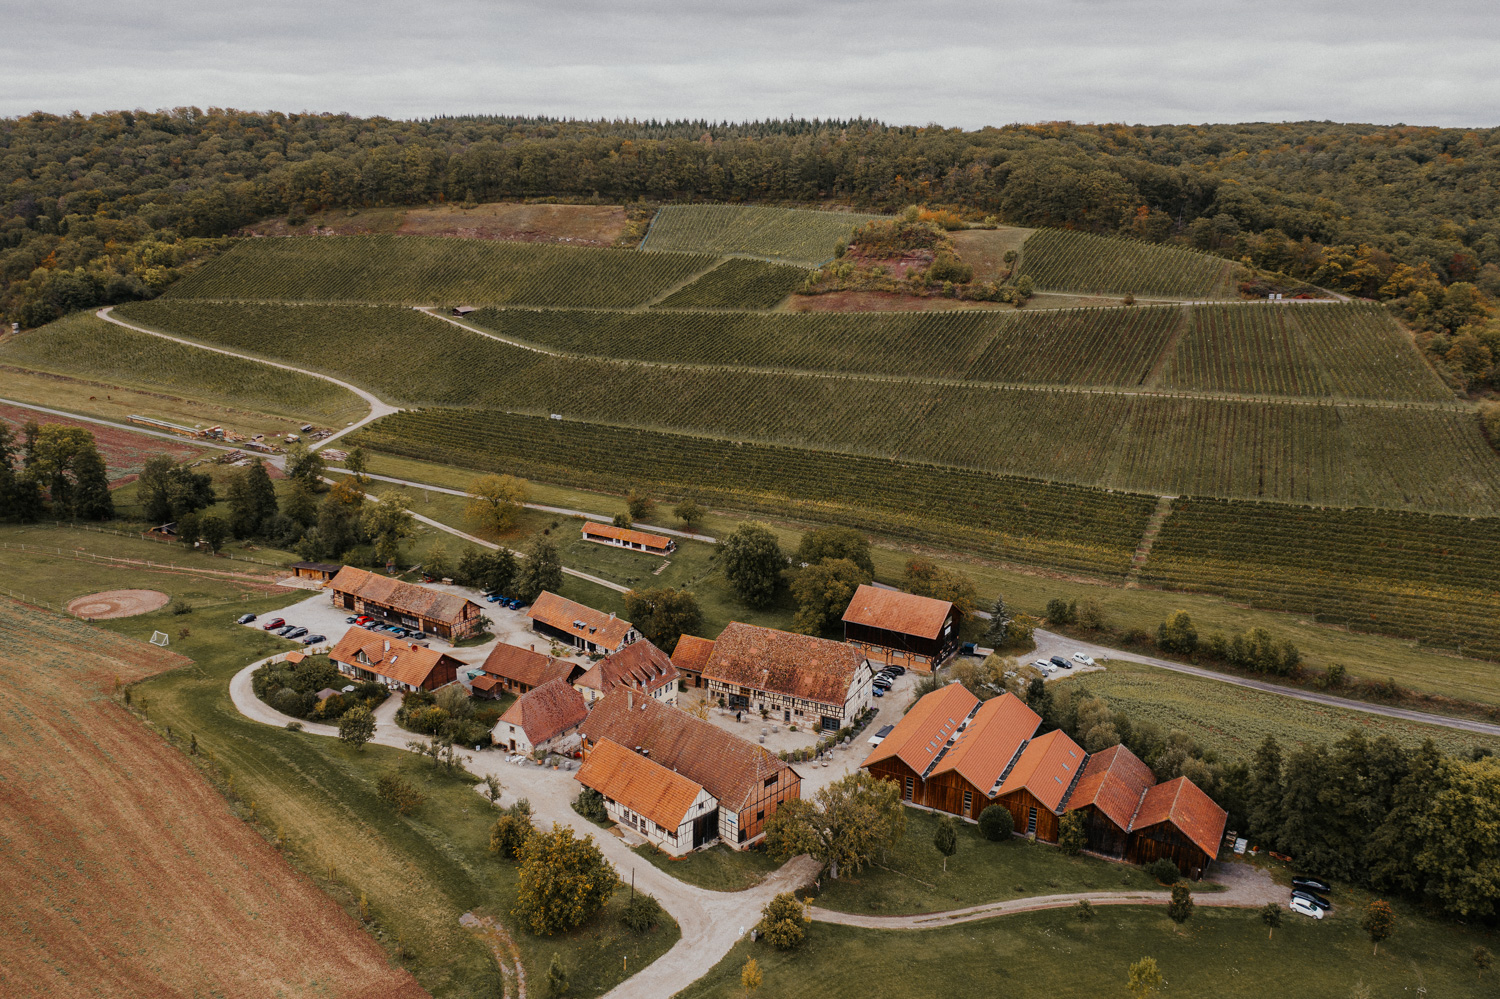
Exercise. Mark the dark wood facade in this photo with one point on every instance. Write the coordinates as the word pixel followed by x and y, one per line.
pixel 1102 835
pixel 1164 840
pixel 751 821
pixel 1024 807
pixel 946 792
pixel 912 651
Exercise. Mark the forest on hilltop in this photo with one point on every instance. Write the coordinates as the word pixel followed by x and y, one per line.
pixel 107 207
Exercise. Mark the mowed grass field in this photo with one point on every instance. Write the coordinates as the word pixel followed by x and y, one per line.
pixel 1233 724
pixel 126 873
pixel 1217 954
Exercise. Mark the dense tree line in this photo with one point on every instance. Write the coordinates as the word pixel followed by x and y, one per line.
pixel 108 207
pixel 54 471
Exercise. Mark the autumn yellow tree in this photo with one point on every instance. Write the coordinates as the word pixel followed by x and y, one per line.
pixel 495 500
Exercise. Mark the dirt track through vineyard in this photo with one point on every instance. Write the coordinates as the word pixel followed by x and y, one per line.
pixel 126 873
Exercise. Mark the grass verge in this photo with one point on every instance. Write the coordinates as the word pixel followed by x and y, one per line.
pixel 717 868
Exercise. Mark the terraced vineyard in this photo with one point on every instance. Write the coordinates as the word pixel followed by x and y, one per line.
pixel 410 270
pixel 790 234
pixel 85 346
pixel 1354 351
pixel 1063 260
pixel 1420 458
pixel 1428 578
pixel 738 283
pixel 1006 518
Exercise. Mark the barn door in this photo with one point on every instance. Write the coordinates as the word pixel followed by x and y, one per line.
pixel 1031 823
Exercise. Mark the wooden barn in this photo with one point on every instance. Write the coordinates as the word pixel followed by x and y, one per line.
pixel 1178 821
pixel 320 572
pixel 1039 782
pixel 1108 793
pixel 435 612
pixel 920 633
pixel 748 781
pixel 582 627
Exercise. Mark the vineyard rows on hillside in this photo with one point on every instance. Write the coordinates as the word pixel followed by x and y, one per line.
pixel 738 283
pixel 790 234
pixel 85 346
pixel 412 270
pixel 1028 522
pixel 1430 578
pixel 1352 350
pixel 1433 459
pixel 1064 260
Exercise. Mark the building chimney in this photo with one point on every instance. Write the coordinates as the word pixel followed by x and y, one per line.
pixel 388 645
pixel 629 699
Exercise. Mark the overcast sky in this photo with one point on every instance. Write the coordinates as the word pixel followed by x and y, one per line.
pixel 912 62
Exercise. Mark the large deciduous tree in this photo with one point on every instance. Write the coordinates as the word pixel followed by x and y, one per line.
pixel 752 561
pixel 823 591
pixel 388 523
pixel 846 825
pixel 564 881
pixel 828 543
pixel 170 491
pixel 928 579
pixel 663 615
pixel 540 569
pixel 495 501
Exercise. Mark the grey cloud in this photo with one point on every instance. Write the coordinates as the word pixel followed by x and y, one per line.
pixel 966 64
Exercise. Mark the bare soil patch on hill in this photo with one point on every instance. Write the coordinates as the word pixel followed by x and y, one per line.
pixel 126 873
pixel 574 225
pixel 117 603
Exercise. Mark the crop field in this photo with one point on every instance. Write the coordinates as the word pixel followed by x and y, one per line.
pixel 85 346
pixel 422 270
pixel 1426 578
pixel 738 283
pixel 1062 260
pixel 1422 458
pixel 1352 351
pixel 123 452
pixel 126 874
pixel 1014 520
pixel 790 234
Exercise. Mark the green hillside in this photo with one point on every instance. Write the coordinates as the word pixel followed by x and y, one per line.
pixel 789 234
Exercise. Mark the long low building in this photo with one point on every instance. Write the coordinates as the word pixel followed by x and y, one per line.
pixel 625 537
pixel 797 679
pixel 580 626
pixel 673 812
pixel 512 669
pixel 955 753
pixel 365 655
pixel 746 780
pixel 409 605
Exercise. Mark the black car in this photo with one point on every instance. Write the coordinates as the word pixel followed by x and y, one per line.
pixel 1061 663
pixel 350 619
pixel 314 639
pixel 245 618
pixel 894 669
pixel 1313 899
pixel 1304 883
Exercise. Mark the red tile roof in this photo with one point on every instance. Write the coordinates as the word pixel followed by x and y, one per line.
pixel 1193 813
pixel 404 662
pixel 484 682
pixel 639 664
pixel 990 741
pixel 893 610
pixel 408 598
pixel 813 669
pixel 641 785
pixel 547 711
pixel 692 653
pixel 592 530
pixel 925 729
pixel 526 666
pixel 565 615
pixel 1046 768
pixel 1113 781
pixel 732 769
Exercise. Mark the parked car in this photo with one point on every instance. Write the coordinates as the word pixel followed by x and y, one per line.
pixel 1083 660
pixel 493 598
pixel 513 603
pixel 274 623
pixel 351 619
pixel 881 684
pixel 1314 898
pixel 897 670
pixel 284 630
pixel 879 692
pixel 420 636
pixel 296 633
pixel 1045 666
pixel 969 649
pixel 314 639
pixel 363 620
pixel 246 618
pixel 399 632
pixel 1061 663
pixel 1306 908
pixel 1306 883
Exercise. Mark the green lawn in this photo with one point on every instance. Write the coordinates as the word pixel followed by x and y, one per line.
pixel 717 868
pixel 1371 656
pixel 912 880
pixel 419 873
pixel 1233 726
pixel 1217 954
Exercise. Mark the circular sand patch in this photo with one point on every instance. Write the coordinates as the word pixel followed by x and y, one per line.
pixel 117 603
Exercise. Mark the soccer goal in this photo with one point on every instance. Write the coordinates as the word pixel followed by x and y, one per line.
pixel 159 638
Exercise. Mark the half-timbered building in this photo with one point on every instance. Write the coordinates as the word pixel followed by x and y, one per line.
pixel 797 679
pixel 672 811
pixel 901 628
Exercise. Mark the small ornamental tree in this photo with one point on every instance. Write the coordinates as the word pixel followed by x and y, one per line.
pixel 1482 959
pixel 996 823
pixel 1270 914
pixel 690 513
pixel 1144 979
pixel 750 976
pixel 783 922
pixel 1181 906
pixel 1164 871
pixel 564 881
pixel 639 505
pixel 945 839
pixel 399 793
pixel 557 978
pixel 641 913
pixel 357 726
pixel 511 830
pixel 1379 921
pixel 1072 834
pixel 1084 910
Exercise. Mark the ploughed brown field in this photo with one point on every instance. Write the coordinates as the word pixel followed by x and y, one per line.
pixel 125 873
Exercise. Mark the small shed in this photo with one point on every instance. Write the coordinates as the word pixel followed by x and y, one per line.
pixel 320 571
pixel 464 310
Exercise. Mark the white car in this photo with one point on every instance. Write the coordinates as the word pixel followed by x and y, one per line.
pixel 1083 660
pixel 1045 666
pixel 1306 908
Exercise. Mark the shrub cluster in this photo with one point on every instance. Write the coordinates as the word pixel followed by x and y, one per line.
pixel 293 690
pixel 450 714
